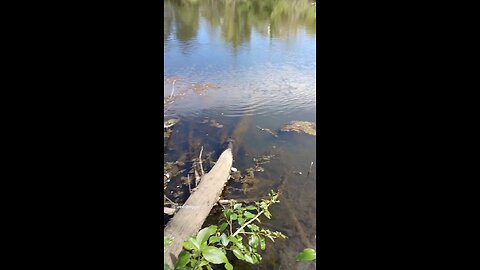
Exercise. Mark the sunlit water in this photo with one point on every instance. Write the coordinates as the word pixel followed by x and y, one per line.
pixel 261 56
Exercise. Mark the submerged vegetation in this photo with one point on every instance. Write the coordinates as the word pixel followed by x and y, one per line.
pixel 300 127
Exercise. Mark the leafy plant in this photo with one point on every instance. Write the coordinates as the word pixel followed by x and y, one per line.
pixel 307 254
pixel 237 233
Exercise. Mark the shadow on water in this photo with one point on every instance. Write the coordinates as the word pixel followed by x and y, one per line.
pixel 260 58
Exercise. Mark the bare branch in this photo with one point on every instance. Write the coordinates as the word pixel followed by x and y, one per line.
pixel 174 203
pixel 248 223
pixel 200 158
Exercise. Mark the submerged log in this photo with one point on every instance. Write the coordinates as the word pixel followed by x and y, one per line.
pixel 191 216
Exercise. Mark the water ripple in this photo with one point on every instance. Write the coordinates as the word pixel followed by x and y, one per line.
pixel 266 91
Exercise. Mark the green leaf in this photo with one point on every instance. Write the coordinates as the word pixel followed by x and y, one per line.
pixel 267 214
pixel 251 207
pixel 259 258
pixel 262 243
pixel 237 241
pixel 222 227
pixel 203 263
pixel 237 206
pixel 227 213
pixel 307 254
pixel 183 259
pixel 204 233
pixel 253 227
pixel 209 267
pixel 188 245
pixel 203 245
pixel 238 253
pixel 224 239
pixel 263 205
pixel 271 238
pixel 194 242
pixel 197 253
pixel 214 255
pixel 249 259
pixel 233 239
pixel 241 221
pixel 249 215
pixel 240 245
pixel 212 229
pixel 214 239
pixel 193 262
pixel 228 266
pixel 253 241
pixel 255 258
pixel 233 217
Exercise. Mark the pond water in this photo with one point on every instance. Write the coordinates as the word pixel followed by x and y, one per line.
pixel 248 66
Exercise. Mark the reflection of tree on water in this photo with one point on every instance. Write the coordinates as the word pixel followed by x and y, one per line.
pixel 182 18
pixel 236 18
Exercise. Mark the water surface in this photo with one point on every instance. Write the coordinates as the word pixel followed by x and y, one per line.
pixel 258 59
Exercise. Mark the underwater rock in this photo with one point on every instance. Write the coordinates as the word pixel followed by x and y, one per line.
pixel 300 127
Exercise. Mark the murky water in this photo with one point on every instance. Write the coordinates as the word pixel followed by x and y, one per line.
pixel 248 65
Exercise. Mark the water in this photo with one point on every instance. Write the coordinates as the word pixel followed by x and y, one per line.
pixel 258 59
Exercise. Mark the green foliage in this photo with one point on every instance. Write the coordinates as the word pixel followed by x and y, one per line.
pixel 211 244
pixel 307 254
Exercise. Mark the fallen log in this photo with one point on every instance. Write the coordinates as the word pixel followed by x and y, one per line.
pixel 169 211
pixel 190 217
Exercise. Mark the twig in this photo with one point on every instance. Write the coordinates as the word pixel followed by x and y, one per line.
pixel 248 223
pixel 197 177
pixel 173 88
pixel 222 202
pixel 200 158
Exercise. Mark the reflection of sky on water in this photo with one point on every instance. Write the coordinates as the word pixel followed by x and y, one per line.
pixel 263 75
pixel 268 90
pixel 208 51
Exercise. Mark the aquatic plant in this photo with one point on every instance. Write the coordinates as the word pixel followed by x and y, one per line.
pixel 300 127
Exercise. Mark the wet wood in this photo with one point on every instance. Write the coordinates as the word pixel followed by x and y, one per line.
pixel 169 211
pixel 191 216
